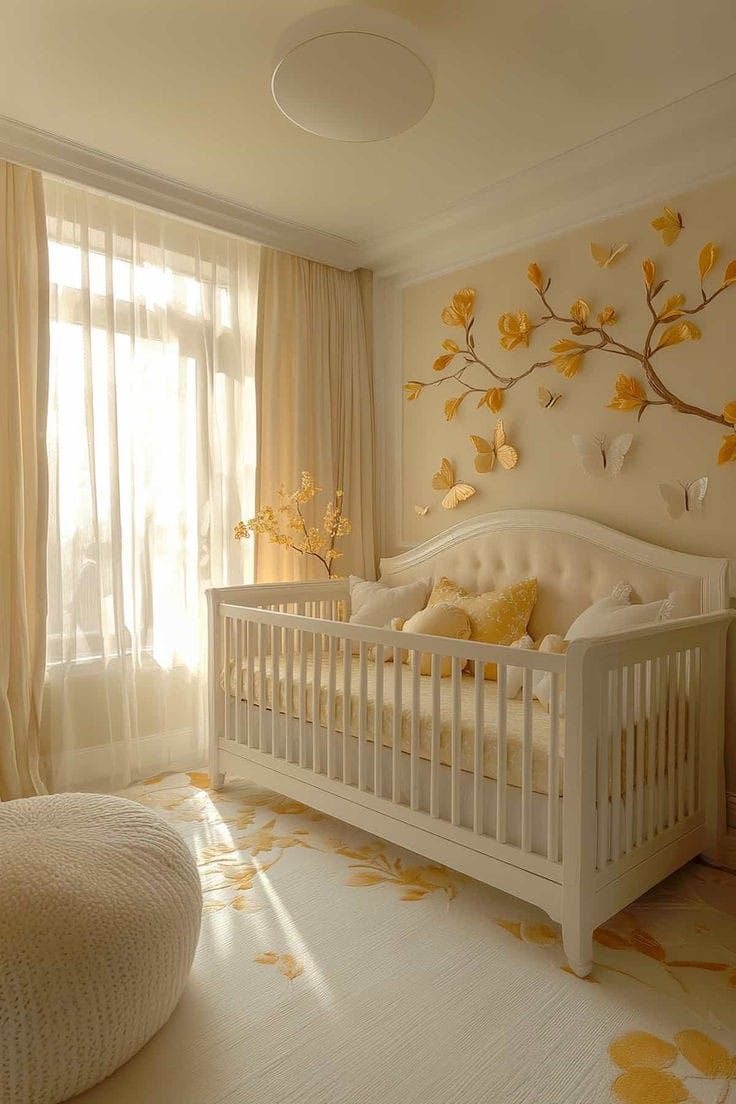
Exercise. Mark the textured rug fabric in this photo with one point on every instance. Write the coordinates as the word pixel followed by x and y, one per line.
pixel 334 968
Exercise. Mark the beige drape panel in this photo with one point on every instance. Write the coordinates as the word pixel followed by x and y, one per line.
pixel 315 402
pixel 24 354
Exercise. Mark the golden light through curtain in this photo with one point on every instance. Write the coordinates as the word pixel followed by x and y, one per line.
pixel 315 402
pixel 24 355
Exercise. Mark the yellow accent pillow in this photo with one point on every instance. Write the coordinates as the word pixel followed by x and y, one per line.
pixel 496 617
pixel 444 619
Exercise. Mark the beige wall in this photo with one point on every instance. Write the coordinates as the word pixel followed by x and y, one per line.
pixel 667 447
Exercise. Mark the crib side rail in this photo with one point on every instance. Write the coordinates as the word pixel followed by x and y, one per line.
pixel 402 743
pixel 277 595
pixel 644 744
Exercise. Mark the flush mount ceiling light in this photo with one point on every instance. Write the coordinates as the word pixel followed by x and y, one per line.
pixel 352 74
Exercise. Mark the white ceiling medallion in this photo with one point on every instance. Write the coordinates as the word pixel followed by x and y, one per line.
pixel 353 74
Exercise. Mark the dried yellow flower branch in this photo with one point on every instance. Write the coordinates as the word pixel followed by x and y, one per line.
pixel 286 525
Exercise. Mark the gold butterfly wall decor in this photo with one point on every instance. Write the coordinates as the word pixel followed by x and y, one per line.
pixel 487 452
pixel 605 256
pixel 547 398
pixel 421 511
pixel 444 480
pixel 669 224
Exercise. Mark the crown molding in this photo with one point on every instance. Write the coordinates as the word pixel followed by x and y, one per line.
pixel 670 150
pixel 50 153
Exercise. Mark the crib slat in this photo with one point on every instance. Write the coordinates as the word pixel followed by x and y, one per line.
pixel 671 740
pixel 414 765
pixel 602 777
pixel 616 724
pixel 693 728
pixel 681 699
pixel 362 700
pixel 553 772
pixel 434 761
pixel 526 761
pixel 456 730
pixel 226 681
pixel 262 630
pixel 640 714
pixel 275 691
pixel 478 741
pixel 244 703
pixel 501 707
pixel 288 694
pixel 347 693
pixel 662 741
pixel 629 758
pixel 301 609
pixel 331 676
pixel 316 697
pixel 238 671
pixel 378 724
pixel 651 725
pixel 303 699
pixel 251 643
pixel 398 714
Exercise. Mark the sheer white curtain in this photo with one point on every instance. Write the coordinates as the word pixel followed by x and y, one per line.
pixel 151 445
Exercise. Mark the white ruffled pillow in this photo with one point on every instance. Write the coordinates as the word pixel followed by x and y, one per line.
pixel 608 615
pixel 376 604
pixel 613 614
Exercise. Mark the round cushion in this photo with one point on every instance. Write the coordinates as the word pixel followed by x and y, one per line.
pixel 100 908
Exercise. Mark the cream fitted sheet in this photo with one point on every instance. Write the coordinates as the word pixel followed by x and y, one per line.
pixel 514 716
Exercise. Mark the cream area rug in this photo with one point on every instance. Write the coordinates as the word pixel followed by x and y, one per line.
pixel 334 968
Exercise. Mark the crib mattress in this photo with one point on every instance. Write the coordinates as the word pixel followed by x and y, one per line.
pixel 514 716
pixel 514 720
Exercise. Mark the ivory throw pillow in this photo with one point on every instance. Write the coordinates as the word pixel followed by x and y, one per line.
pixel 541 685
pixel 515 675
pixel 496 617
pixel 376 604
pixel 442 619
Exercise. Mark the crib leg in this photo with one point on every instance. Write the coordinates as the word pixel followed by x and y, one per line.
pixel 217 776
pixel 577 942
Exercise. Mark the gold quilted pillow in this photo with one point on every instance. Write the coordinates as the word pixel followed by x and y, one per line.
pixel 496 617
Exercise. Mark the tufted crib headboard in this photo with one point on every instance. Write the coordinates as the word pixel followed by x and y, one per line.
pixel 575 560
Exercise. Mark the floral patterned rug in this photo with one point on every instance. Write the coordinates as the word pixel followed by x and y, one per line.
pixel 334 968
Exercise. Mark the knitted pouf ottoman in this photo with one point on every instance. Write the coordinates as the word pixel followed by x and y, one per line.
pixel 100 907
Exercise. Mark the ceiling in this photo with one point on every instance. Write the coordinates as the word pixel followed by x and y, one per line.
pixel 182 87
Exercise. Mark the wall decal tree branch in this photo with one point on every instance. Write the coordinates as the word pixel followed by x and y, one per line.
pixel 671 324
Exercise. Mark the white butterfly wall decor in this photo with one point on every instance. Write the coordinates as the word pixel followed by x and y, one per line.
pixel 680 498
pixel 599 457
pixel 444 480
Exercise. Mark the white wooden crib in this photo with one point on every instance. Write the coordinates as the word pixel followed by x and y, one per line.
pixel 578 813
